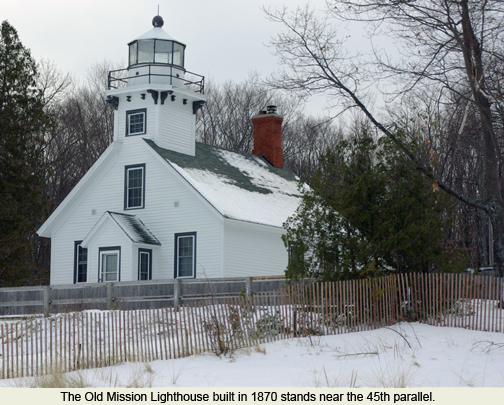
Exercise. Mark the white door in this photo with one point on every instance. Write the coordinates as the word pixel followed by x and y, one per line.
pixel 109 263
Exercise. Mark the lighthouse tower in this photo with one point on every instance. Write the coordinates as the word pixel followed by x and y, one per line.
pixel 155 97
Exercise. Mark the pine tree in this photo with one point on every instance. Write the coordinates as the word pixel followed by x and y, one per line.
pixel 23 123
pixel 369 212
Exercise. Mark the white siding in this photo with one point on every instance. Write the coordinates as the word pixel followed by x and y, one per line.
pixel 177 127
pixel 163 189
pixel 171 124
pixel 136 104
pixel 60 277
pixel 109 236
pixel 253 250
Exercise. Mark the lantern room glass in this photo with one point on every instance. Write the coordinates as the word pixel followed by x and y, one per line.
pixel 133 49
pixel 178 54
pixel 146 51
pixel 163 52
pixel 156 51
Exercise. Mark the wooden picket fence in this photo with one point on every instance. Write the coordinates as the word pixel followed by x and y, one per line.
pixel 456 300
pixel 88 339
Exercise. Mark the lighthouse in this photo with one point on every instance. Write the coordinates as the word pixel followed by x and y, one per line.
pixel 155 97
pixel 157 205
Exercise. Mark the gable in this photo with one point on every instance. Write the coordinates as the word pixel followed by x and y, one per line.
pixel 79 191
pixel 130 225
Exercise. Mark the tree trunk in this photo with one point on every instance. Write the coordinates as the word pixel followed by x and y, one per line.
pixel 471 49
pixel 497 219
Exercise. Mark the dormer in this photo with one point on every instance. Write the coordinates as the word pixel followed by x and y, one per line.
pixel 155 97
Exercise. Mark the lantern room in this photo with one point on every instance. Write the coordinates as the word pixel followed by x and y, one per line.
pixel 156 47
pixel 156 58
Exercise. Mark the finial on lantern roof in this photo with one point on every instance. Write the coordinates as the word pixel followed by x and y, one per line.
pixel 157 21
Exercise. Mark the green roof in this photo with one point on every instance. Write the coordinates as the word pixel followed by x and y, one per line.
pixel 239 185
pixel 134 228
pixel 208 158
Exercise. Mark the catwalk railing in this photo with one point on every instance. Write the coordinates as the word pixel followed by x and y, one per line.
pixel 88 339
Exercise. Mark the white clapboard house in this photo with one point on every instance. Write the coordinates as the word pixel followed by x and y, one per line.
pixel 157 204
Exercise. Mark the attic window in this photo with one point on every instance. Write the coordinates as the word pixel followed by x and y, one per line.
pixel 136 122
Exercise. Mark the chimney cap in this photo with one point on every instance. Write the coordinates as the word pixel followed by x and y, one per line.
pixel 271 109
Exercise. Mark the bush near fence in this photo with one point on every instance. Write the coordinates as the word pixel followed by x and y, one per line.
pixel 78 340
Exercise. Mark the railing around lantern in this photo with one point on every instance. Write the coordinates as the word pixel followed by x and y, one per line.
pixel 120 78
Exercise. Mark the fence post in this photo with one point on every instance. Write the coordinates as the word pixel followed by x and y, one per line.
pixel 248 286
pixel 176 294
pixel 501 304
pixel 47 289
pixel 110 296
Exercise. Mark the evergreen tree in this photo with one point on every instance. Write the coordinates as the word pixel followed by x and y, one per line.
pixel 369 212
pixel 23 122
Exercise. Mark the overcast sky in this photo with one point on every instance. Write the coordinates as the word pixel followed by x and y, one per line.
pixel 226 39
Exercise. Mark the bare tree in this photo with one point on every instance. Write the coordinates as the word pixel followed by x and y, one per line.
pixel 306 139
pixel 225 121
pixel 83 130
pixel 446 45
pixel 52 82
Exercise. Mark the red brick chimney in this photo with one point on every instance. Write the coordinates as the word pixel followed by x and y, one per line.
pixel 268 136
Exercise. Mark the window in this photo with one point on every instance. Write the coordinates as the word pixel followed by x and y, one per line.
pixel 110 260
pixel 80 263
pixel 185 255
pixel 144 264
pixel 133 53
pixel 136 122
pixel 158 51
pixel 178 54
pixel 295 252
pixel 163 52
pixel 145 51
pixel 134 187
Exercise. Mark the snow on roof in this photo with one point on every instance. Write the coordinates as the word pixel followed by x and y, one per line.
pixel 240 186
pixel 134 228
pixel 157 33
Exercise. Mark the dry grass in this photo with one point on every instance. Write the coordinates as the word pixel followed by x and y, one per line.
pixel 176 374
pixel 55 379
pixel 141 377
pixel 385 371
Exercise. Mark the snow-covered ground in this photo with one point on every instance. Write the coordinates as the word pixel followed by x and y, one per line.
pixel 403 355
